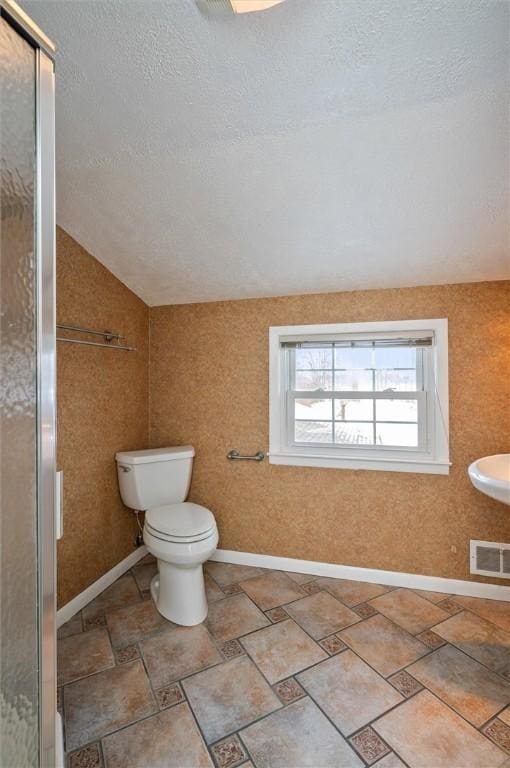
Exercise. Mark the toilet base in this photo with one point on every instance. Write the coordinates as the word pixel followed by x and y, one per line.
pixel 179 593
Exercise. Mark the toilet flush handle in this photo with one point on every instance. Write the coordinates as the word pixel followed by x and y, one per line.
pixel 124 469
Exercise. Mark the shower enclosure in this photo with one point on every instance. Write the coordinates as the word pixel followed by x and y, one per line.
pixel 27 401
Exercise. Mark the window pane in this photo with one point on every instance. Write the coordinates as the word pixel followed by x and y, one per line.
pixel 356 381
pixel 354 410
pixel 349 357
pixel 313 409
pixel 397 434
pixel 354 434
pixel 314 380
pixel 396 410
pixel 314 358
pixel 396 357
pixel 313 432
pixel 400 381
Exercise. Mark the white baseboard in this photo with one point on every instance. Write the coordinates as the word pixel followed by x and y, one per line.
pixel 392 578
pixel 80 601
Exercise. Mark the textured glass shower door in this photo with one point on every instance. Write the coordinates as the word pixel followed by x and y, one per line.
pixel 27 429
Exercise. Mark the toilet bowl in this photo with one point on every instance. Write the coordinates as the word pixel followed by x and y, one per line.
pixel 181 535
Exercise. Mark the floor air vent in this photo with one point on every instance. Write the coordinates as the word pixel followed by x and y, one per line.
pixel 488 558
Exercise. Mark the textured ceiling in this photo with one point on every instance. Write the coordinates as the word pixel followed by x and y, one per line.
pixel 322 145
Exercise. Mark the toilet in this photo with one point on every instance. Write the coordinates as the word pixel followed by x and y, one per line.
pixel 179 534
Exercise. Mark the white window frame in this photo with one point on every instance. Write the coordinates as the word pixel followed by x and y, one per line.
pixel 432 458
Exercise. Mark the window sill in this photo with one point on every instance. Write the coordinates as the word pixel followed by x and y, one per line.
pixel 418 466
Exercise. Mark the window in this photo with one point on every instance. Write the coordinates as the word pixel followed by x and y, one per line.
pixel 362 395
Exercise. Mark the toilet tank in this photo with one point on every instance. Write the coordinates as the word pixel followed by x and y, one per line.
pixel 154 477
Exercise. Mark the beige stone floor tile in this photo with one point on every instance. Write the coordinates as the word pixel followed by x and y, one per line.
pixel 228 697
pixel 83 654
pixel 106 702
pixel 349 691
pixel 169 739
pixel 175 652
pixel 130 624
pixel 234 616
pixel 298 735
pixel 351 592
pixel 430 639
pixel 122 592
pixel 272 589
pixel 485 642
pixel 434 597
pixel 384 645
pixel 143 573
pixel 461 682
pixel 300 578
pixel 505 716
pixel 117 703
pixel 391 761
pixel 212 591
pixel 410 611
pixel 496 611
pixel 282 649
pixel 229 573
pixel 72 627
pixel 426 733
pixel 321 614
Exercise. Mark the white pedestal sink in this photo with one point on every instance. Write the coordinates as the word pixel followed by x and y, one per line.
pixel 491 475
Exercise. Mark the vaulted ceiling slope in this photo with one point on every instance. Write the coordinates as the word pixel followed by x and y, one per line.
pixel 322 145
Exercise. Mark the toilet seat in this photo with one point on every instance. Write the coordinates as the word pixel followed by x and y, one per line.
pixel 180 523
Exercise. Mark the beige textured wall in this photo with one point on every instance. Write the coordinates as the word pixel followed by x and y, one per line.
pixel 102 408
pixel 209 387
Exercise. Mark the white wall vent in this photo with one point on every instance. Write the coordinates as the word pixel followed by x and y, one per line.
pixel 488 558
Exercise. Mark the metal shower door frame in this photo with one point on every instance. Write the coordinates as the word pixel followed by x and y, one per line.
pixel 44 238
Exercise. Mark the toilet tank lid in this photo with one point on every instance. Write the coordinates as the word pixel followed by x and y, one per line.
pixel 153 455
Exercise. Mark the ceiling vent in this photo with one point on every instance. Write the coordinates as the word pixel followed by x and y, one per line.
pixel 488 558
pixel 218 7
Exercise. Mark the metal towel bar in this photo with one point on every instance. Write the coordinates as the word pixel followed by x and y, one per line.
pixel 108 338
pixel 233 454
pixel 108 335
pixel 97 344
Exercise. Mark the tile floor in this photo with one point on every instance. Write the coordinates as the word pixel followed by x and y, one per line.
pixel 288 671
